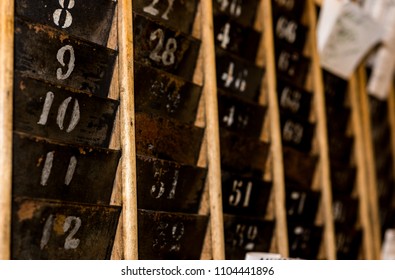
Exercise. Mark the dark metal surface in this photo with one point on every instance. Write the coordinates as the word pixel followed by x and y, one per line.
pixel 238 76
pixel 88 19
pixel 345 210
pixel 46 169
pixel 164 94
pixel 236 38
pixel 335 89
pixel 296 132
pixel 246 196
pixel 177 14
pixel 164 48
pixel 302 205
pixel 244 12
pixel 239 115
pixel 169 186
pixel 340 147
pixel 292 8
pixel 348 242
pixel 304 241
pixel 49 54
pixel 289 31
pixel 72 116
pixel 57 230
pixel 343 178
pixel 242 154
pixel 243 235
pixel 338 119
pixel 167 139
pixel 172 236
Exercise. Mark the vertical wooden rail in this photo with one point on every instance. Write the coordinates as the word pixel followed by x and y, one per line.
pixel 212 132
pixel 322 136
pixel 362 178
pixel 6 89
pixel 275 132
pixel 370 163
pixel 127 124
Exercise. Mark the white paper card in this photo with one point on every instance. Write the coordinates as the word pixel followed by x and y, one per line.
pixel 388 251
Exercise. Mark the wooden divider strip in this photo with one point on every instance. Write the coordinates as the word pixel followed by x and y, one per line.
pixel 322 136
pixel 127 125
pixel 275 133
pixel 6 91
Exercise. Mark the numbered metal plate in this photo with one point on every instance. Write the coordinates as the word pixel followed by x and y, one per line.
pixel 245 196
pixel 48 54
pixel 304 241
pixel 169 186
pixel 240 116
pixel 62 231
pixel 290 31
pixel 292 8
pixel 348 243
pixel 236 38
pixel 88 19
pixel 296 132
pixel 335 89
pixel 343 178
pixel 46 169
pixel 292 99
pixel 244 12
pixel 238 76
pixel 345 210
pixel 302 205
pixel 242 154
pixel 164 48
pixel 53 112
pixel 167 139
pixel 177 14
pixel 340 147
pixel 299 168
pixel 243 235
pixel 170 236
pixel 164 94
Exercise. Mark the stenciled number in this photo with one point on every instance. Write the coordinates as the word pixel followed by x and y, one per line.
pixel 293 132
pixel 68 17
pixel 168 237
pixel 235 6
pixel 236 197
pixel 223 36
pixel 70 242
pixel 239 83
pixel 302 237
pixel 71 64
pixel 298 201
pixel 150 9
pixel 245 236
pixel 287 4
pixel 168 56
pixel 48 168
pixel 75 115
pixel 286 29
pixel 158 189
pixel 290 99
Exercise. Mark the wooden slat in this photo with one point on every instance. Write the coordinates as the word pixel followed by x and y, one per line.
pixel 6 89
pixel 370 163
pixel 127 125
pixel 322 135
pixel 281 232
pixel 212 132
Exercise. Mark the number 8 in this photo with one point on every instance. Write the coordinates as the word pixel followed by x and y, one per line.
pixel 69 18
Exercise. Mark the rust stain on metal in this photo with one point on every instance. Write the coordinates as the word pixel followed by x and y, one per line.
pixel 26 210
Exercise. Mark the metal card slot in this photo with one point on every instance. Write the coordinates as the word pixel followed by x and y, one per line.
pixel 378 110
pixel 177 14
pixel 244 12
pixel 239 115
pixel 236 38
pixel 385 190
pixel 242 154
pixel 53 112
pixel 169 186
pixel 340 147
pixel 47 169
pixel 299 168
pixel 57 230
pixel 381 134
pixel 302 205
pixel 243 235
pixel 337 119
pixel 296 132
pixel 348 242
pixel 304 241
pixel 89 19
pixel 164 94
pixel 237 76
pixel 167 139
pixel 170 236
pixel 245 196
pixel 335 88
pixel 164 48
pixel 289 7
pixel 343 178
pixel 46 53
pixel 345 210
pixel 289 31
pixel 292 99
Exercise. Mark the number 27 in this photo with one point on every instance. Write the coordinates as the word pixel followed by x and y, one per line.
pixel 150 9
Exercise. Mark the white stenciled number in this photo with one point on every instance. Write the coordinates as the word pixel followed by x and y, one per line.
pixel 61 58
pixel 290 99
pixel 68 17
pixel 168 56
pixel 245 236
pixel 298 200
pixel 235 6
pixel 48 168
pixel 158 189
pixel 293 132
pixel 223 36
pixel 150 9
pixel 71 222
pixel 168 237
pixel 236 197
pixel 239 83
pixel 75 115
pixel 286 29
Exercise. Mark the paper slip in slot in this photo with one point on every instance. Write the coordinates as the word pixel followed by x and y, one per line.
pixel 244 235
pixel 348 242
pixel 302 205
pixel 169 186
pixel 245 196
pixel 161 47
pixel 55 230
pixel 244 12
pixel 46 169
pixel 49 54
pixel 304 241
pixel 89 19
pixel 170 236
pixel 164 94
